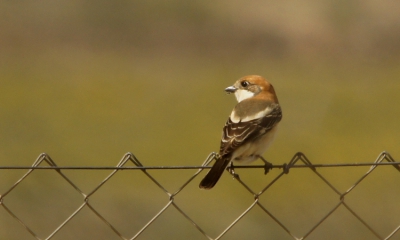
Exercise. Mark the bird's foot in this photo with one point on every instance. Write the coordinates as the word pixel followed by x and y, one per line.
pixel 231 170
pixel 267 165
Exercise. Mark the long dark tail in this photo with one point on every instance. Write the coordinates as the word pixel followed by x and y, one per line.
pixel 214 174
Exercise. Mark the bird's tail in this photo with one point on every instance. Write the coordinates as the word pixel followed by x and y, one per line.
pixel 214 174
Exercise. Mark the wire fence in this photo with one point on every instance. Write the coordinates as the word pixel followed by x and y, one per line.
pixel 299 161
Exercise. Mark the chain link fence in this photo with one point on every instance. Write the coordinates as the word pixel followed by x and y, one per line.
pixel 10 213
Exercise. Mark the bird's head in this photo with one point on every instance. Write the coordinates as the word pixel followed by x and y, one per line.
pixel 252 86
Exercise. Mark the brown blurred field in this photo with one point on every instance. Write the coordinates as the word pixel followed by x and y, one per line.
pixel 88 81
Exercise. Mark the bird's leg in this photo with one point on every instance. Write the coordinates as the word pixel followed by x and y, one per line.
pixel 231 170
pixel 267 165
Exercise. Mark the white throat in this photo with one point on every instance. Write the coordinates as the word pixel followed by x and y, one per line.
pixel 241 94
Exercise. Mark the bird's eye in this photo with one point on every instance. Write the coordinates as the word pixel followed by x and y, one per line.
pixel 245 83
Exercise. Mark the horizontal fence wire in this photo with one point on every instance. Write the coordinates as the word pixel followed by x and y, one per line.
pixel 279 166
pixel 299 160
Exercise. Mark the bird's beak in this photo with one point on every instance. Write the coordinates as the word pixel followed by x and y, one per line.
pixel 230 89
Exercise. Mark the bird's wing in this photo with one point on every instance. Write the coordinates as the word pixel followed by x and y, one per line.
pixel 236 134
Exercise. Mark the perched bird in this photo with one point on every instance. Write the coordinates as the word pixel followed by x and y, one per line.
pixel 250 128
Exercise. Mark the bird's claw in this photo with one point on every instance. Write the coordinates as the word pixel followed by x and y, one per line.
pixel 231 170
pixel 267 165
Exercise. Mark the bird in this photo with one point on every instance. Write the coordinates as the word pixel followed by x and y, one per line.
pixel 250 128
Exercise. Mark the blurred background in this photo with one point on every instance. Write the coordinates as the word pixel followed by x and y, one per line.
pixel 88 81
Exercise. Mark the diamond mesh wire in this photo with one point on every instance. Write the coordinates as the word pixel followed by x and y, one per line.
pixel 299 161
